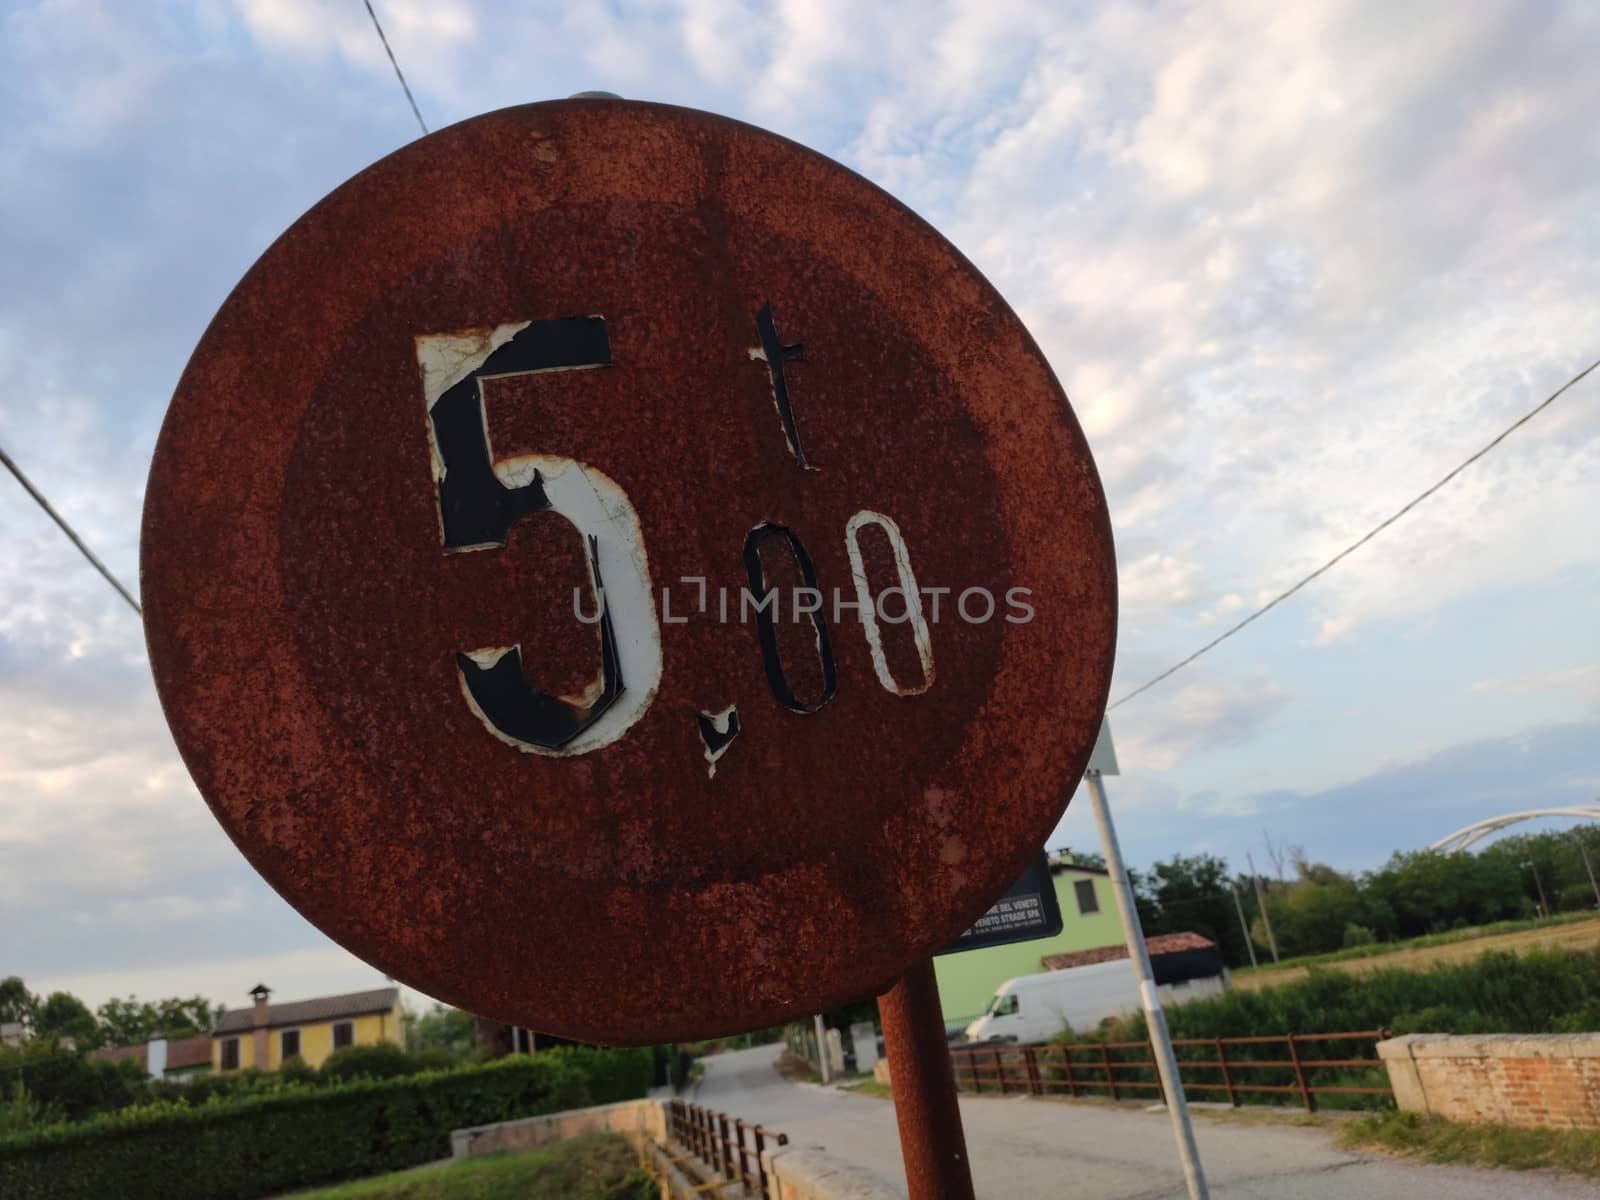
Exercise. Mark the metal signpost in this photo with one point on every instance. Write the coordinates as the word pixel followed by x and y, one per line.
pixel 1101 763
pixel 623 574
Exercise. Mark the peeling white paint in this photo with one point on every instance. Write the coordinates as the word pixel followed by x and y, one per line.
pixel 445 359
pixel 721 722
pixel 597 507
pixel 907 583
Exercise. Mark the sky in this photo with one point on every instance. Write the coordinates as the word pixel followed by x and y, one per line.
pixel 1292 263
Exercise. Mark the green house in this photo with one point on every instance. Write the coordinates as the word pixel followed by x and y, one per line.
pixel 967 981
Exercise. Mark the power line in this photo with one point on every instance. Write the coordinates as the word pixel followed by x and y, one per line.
pixel 1359 542
pixel 398 73
pixel 68 530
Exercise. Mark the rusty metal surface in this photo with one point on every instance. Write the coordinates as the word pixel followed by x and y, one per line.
pixel 932 1141
pixel 308 621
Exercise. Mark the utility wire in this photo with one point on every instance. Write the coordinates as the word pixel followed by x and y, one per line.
pixel 398 73
pixel 1359 542
pixel 68 530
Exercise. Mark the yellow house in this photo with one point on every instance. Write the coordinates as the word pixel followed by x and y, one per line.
pixel 265 1035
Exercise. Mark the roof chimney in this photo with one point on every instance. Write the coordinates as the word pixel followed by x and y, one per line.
pixel 258 1036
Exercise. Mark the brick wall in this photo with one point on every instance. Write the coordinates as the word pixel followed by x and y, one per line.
pixel 1543 1080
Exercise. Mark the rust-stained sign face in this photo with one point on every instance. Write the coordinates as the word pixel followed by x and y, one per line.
pixel 624 574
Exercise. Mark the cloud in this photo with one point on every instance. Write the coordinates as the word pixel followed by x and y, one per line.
pixel 1286 290
pixel 1356 825
pixel 1585 681
pixel 1209 710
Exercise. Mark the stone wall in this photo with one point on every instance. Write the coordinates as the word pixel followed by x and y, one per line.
pixel 796 1172
pixel 1529 1081
pixel 637 1120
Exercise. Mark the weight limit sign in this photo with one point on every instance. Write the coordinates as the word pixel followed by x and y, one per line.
pixel 621 573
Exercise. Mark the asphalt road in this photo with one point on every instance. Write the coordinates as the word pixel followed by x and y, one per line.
pixel 1024 1148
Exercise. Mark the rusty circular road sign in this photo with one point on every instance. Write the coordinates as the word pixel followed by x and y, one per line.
pixel 503 557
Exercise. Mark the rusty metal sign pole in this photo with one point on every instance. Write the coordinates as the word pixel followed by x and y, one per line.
pixel 1104 761
pixel 931 1139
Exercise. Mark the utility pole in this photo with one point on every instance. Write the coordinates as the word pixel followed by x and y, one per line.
pixel 1261 903
pixel 822 1049
pixel 1104 760
pixel 1243 924
pixel 1544 904
pixel 1584 850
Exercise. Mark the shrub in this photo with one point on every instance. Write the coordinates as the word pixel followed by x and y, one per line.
pixel 203 1089
pixel 1539 991
pixel 1358 935
pixel 383 1060
pixel 295 1069
pixel 269 1142
pixel 74 1085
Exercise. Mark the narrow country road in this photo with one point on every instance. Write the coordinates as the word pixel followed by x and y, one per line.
pixel 1022 1148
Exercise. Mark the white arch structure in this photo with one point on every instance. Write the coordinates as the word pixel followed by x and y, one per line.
pixel 1478 830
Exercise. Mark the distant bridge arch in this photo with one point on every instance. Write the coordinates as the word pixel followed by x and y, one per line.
pixel 1478 830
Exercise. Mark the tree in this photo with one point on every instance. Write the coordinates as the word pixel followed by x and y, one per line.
pixel 1190 894
pixel 65 1015
pixel 129 1022
pixel 441 1029
pixel 1310 915
pixel 17 1004
pixel 1427 891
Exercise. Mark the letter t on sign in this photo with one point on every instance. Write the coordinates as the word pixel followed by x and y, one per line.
pixel 774 353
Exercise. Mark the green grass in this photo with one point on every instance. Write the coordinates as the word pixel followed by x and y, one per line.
pixel 1573 1150
pixel 599 1167
pixel 870 1087
pixel 1377 949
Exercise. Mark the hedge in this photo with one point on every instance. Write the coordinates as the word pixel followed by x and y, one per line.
pixel 269 1143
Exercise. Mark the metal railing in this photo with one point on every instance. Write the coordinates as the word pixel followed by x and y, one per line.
pixel 718 1142
pixel 1094 1067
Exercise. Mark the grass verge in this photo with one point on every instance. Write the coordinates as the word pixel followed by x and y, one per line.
pixel 599 1167
pixel 1572 930
pixel 1573 1150
pixel 870 1087
pixel 796 1069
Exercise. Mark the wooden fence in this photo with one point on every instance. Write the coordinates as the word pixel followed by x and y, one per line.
pixel 1294 1064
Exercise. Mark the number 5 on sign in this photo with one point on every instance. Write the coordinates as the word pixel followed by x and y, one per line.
pixel 481 498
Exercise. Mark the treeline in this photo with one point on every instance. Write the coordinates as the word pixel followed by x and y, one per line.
pixel 118 1022
pixel 1314 909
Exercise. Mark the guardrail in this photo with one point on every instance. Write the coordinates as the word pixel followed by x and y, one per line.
pixel 718 1141
pixel 1080 1067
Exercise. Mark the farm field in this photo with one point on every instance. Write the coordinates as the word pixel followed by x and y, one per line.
pixel 1571 935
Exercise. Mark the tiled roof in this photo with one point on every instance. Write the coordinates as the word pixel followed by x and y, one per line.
pixel 189 1052
pixel 181 1052
pixel 1165 943
pixel 118 1053
pixel 306 1012
pixel 1061 868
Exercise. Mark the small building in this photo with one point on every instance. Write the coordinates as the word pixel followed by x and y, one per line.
pixel 264 1035
pixel 164 1058
pixel 1175 958
pixel 967 980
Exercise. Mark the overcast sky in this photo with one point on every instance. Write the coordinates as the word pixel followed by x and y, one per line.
pixel 1291 263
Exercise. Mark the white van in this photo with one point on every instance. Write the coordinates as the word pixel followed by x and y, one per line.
pixel 1034 1008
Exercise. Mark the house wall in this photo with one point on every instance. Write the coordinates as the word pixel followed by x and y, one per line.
pixel 967 981
pixel 316 1040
